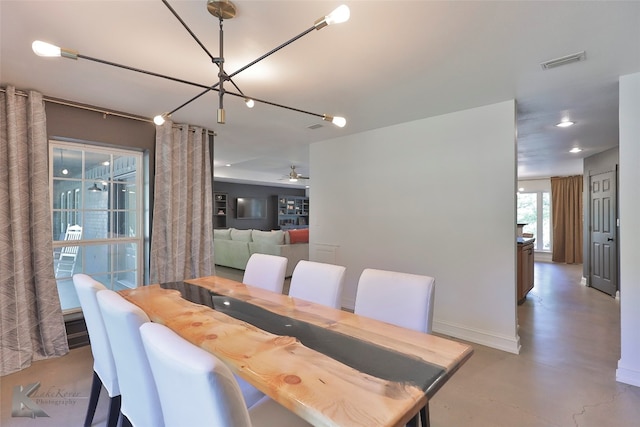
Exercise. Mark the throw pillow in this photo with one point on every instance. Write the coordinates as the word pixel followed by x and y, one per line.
pixel 299 236
pixel 241 235
pixel 275 237
pixel 222 234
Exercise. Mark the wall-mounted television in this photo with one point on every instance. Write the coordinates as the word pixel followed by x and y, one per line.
pixel 251 208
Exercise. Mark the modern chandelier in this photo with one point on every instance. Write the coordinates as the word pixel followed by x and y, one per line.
pixel 221 9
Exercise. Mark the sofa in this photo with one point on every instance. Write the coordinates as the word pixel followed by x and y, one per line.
pixel 233 247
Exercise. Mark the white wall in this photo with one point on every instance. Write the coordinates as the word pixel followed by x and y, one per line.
pixel 629 364
pixel 434 196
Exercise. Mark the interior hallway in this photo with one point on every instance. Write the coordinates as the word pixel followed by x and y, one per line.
pixel 564 375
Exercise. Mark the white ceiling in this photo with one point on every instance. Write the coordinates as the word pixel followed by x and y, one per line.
pixel 393 62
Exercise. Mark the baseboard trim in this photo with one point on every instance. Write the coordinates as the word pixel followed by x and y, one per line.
pixel 489 339
pixel 627 376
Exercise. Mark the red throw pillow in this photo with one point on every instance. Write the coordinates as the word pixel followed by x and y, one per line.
pixel 299 236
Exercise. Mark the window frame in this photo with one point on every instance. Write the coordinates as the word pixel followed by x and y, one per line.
pixel 77 208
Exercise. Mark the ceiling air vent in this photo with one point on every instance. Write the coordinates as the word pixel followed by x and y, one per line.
pixel 315 126
pixel 574 57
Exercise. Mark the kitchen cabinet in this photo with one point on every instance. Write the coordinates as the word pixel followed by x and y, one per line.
pixel 525 268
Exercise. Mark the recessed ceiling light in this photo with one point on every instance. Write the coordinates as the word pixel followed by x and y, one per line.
pixel 521 189
pixel 575 150
pixel 228 165
pixel 565 124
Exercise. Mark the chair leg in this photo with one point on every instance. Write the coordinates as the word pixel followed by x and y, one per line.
pixel 96 386
pixel 125 421
pixel 424 415
pixel 114 411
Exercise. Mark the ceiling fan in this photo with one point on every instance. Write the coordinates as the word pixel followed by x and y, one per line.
pixel 295 176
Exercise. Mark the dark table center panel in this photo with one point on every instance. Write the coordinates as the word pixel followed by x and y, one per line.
pixel 363 356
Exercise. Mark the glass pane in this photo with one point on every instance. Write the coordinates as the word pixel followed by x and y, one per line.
pixel 124 165
pixel 67 292
pixel 65 195
pixel 98 259
pixel 125 256
pixel 124 224
pixel 61 223
pixel 528 212
pixel 97 166
pixel 67 163
pixel 546 221
pixel 96 225
pixel 67 261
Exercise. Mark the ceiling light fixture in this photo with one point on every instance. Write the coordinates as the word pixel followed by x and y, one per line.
pixel 94 188
pixel 575 150
pixel 294 176
pixel 565 124
pixel 222 9
pixel 64 170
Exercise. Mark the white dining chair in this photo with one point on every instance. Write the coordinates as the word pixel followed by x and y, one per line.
pixel 265 271
pixel 104 368
pixel 318 282
pixel 401 299
pixel 197 389
pixel 140 402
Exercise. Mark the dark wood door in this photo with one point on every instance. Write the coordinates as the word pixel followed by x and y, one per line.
pixel 604 252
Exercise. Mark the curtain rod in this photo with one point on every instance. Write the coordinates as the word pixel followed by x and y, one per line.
pixel 94 109
pixel 84 107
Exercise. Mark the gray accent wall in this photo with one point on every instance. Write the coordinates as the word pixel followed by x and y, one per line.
pixel 270 193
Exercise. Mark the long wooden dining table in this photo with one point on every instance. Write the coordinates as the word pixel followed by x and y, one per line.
pixel 329 366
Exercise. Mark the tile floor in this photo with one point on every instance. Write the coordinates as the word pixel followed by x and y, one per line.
pixel 564 375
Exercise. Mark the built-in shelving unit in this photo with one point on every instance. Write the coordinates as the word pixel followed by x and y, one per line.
pixel 220 209
pixel 293 212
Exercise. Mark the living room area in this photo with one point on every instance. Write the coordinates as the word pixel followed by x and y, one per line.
pixel 253 218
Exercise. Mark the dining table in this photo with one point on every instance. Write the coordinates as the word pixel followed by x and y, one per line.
pixel 331 367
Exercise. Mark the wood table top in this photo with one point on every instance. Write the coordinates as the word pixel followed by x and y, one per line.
pixel 331 367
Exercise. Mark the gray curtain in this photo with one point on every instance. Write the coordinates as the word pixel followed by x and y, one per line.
pixel 31 323
pixel 182 234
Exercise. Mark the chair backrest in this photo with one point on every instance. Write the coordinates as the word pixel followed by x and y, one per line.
pixel 399 298
pixel 74 232
pixel 103 363
pixel 318 282
pixel 193 384
pixel 140 401
pixel 265 271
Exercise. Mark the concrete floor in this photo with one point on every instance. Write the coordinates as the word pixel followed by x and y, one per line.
pixel 564 375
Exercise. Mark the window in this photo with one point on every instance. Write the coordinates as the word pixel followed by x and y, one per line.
pixel 96 203
pixel 534 210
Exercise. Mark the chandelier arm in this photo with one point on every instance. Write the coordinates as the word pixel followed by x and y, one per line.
pixel 139 70
pixel 271 52
pixel 194 98
pixel 276 105
pixel 166 3
pixel 236 86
